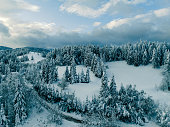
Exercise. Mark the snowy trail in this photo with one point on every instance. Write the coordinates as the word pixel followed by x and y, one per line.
pixel 54 109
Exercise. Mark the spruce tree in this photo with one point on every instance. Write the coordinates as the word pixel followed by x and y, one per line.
pixel 165 85
pixel 67 75
pixel 145 58
pixel 55 74
pixel 104 91
pixel 63 83
pixel 87 77
pixel 3 118
pixel 155 61
pixel 112 89
pixel 82 77
pixel 19 103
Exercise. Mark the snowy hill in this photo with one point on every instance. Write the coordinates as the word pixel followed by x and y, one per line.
pixel 36 57
pixel 4 48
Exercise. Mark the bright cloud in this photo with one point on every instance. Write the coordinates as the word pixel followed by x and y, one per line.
pixel 80 9
pixel 85 11
pixel 11 6
pixel 162 12
pixel 96 23
pixel 117 23
pixel 27 6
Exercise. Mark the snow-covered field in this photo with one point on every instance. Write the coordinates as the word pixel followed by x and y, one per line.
pixel 36 57
pixel 144 77
pixel 82 90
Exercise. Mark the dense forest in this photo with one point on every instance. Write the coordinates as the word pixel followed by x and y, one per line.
pixel 127 104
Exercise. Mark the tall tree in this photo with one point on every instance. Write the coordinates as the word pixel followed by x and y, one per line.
pixel 67 74
pixel 82 77
pixel 87 77
pixel 104 91
pixel 145 58
pixel 112 89
pixel 155 61
pixel 3 118
pixel 19 103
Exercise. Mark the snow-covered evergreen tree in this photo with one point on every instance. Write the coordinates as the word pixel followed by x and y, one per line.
pixel 63 84
pixel 67 75
pixel 87 76
pixel 145 58
pixel 19 103
pixel 155 61
pixel 165 85
pixel 3 117
pixel 113 86
pixel 55 74
pixel 104 91
pixel 82 77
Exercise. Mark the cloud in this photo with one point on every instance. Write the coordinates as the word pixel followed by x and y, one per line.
pixel 162 12
pixel 85 11
pixel 135 1
pixel 117 23
pixel 81 8
pixel 27 6
pixel 153 26
pixel 13 6
pixel 4 30
pixel 96 23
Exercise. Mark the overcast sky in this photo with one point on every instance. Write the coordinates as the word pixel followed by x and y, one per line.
pixel 53 23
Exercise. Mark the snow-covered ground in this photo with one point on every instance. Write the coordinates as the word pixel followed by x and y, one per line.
pixel 38 120
pixel 36 57
pixel 82 90
pixel 42 120
pixel 150 124
pixel 144 77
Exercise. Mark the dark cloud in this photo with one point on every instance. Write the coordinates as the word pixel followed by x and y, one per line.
pixel 4 30
pixel 120 35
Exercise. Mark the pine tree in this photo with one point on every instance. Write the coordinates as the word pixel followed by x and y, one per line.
pixel 82 77
pixel 99 69
pixel 3 118
pixel 155 61
pixel 136 58
pixel 130 57
pixel 165 85
pixel 55 74
pixel 19 103
pixel 67 75
pixel 113 90
pixel 87 77
pixel 32 58
pixel 104 91
pixel 165 60
pixel 63 83
pixel 145 58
